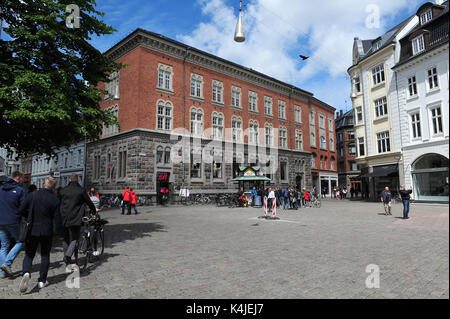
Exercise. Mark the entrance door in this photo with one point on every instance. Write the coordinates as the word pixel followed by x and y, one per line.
pixel 298 182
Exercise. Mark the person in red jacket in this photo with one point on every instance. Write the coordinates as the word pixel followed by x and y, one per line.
pixel 133 200
pixel 126 201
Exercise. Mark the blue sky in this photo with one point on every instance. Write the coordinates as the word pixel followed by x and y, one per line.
pixel 277 31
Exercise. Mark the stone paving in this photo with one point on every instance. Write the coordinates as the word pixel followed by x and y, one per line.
pixel 211 252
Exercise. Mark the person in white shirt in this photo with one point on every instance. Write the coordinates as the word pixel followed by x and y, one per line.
pixel 270 198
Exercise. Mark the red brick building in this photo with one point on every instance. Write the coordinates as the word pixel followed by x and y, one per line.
pixel 168 85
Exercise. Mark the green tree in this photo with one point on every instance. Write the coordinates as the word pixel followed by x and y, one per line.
pixel 45 65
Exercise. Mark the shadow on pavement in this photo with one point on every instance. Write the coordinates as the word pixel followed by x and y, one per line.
pixel 115 234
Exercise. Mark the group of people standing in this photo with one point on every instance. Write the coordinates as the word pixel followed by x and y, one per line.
pixel 288 198
pixel 49 212
pixel 340 193
pixel 129 200
pixel 386 198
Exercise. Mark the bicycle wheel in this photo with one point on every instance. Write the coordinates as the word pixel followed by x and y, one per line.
pixel 319 203
pixel 82 252
pixel 98 244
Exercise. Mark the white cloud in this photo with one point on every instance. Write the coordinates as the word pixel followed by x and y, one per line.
pixel 278 31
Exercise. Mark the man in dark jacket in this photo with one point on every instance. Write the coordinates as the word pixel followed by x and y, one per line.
pixel 386 198
pixel 12 196
pixel 404 193
pixel 44 208
pixel 72 209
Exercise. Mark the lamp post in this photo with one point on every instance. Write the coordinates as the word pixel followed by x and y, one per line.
pixel 239 33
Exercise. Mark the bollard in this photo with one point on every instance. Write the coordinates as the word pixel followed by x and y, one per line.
pixel 265 205
pixel 274 208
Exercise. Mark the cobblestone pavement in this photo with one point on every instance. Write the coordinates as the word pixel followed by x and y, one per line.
pixel 211 252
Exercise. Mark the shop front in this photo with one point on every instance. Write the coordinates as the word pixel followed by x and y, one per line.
pixel 162 188
pixel 376 178
pixel 327 183
pixel 430 178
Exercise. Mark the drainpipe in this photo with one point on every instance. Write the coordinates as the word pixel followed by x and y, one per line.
pixel 400 125
pixel 184 106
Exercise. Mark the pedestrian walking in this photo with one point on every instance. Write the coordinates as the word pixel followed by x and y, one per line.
pixel 344 193
pixel 307 199
pixel 338 194
pixel 296 199
pixel 43 206
pixel 133 200
pixel 405 195
pixel 126 201
pixel 12 196
pixel 270 198
pixel 286 199
pixel 386 198
pixel 253 194
pixel 72 210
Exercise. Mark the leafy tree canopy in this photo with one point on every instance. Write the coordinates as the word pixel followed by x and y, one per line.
pixel 45 101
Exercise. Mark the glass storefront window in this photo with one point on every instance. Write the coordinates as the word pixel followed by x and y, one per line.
pixel 430 178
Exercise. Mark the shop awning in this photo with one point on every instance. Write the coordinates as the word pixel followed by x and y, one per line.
pixel 251 178
pixel 385 170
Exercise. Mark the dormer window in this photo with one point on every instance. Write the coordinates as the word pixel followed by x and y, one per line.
pixel 376 45
pixel 418 44
pixel 426 16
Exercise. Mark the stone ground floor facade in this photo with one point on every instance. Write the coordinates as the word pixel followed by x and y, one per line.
pixel 149 161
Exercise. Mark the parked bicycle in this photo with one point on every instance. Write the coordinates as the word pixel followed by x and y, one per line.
pixel 91 244
pixel 315 202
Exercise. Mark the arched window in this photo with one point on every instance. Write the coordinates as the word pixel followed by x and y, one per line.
pixel 217 122
pixel 430 178
pixel 298 140
pixel 312 138
pixel 254 132
pixel 159 154
pixel 196 121
pixel 164 115
pixel 167 155
pixel 268 128
pixel 236 128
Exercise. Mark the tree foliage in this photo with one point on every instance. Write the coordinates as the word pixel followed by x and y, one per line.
pixel 45 101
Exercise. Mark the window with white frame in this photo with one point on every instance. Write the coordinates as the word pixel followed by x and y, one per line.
pixel 196 85
pixel 196 122
pixel 297 114
pixel 96 166
pixel 254 132
pixel 356 84
pixel 323 142
pixel 217 169
pixel 418 44
pixel 412 86
pixel 432 78
pixel 267 105
pixel 298 140
pixel 282 109
pixel 236 96
pixel 269 134
pixel 196 164
pixel 165 75
pixel 122 165
pixel 415 125
pixel 351 134
pixel 426 16
pixel 383 142
pixel 436 120
pixel 312 139
pixel 282 135
pixel 330 125
pixel 352 150
pixel 113 86
pixel 359 114
pixel 164 115
pixel 312 119
pixel 217 91
pixel 109 130
pixel 321 121
pixel 313 160
pixel 361 146
pixel 253 101
pixel 236 129
pixel 332 163
pixel 380 107
pixel 378 74
pixel 331 143
pixel 217 123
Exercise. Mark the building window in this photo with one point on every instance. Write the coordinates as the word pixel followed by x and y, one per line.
pixel 415 123
pixel 282 110
pixel 357 84
pixel 217 91
pixel 196 122
pixel 236 96
pixel 298 140
pixel 254 132
pixel 312 141
pixel 252 101
pixel 426 16
pixel 96 167
pixel 283 137
pixel 351 135
pixel 378 74
pixel 380 107
pixel 218 122
pixel 323 143
pixel 113 86
pixel 321 121
pixel 109 130
pixel 330 125
pixel 165 77
pixel 297 114
pixel 236 129
pixel 418 45
pixel 361 146
pixel 167 155
pixel 432 79
pixel 352 150
pixel 122 169
pixel 164 117
pixel 383 142
pixel 196 165
pixel 332 163
pixel 159 155
pixel 436 119
pixel 331 144
pixel 196 85
pixel 269 134
pixel 412 86
pixel 267 105
pixel 359 115
pixel 312 120
pixel 313 161
pixel 217 170
pixel 283 171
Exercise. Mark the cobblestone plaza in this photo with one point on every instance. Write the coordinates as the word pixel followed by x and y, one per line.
pixel 210 252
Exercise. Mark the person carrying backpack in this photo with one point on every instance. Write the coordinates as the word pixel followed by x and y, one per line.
pixel 286 199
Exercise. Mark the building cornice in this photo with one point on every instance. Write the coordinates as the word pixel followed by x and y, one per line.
pixel 421 57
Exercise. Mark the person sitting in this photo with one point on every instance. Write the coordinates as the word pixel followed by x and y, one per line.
pixel 243 200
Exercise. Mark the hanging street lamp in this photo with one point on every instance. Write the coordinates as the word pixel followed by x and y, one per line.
pixel 239 33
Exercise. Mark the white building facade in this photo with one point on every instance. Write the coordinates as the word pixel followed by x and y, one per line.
pixel 422 76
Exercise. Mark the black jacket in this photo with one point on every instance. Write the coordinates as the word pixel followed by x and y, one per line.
pixel 405 194
pixel 72 207
pixel 45 206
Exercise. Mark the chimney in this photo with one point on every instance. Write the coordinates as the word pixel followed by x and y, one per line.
pixel 340 113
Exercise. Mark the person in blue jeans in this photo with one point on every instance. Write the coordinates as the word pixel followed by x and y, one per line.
pixel 405 194
pixel 12 196
pixel 286 199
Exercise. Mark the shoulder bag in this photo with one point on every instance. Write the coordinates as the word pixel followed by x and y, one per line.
pixel 25 223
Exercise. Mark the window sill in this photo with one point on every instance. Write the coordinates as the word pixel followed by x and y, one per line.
pixel 196 98
pixel 253 112
pixel 412 98
pixel 165 91
pixel 432 91
pixel 217 103
pixel 268 116
pixel 236 108
pixel 282 119
pixel 378 86
pixel 381 119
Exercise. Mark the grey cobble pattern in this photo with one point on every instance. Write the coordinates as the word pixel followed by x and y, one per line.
pixel 209 252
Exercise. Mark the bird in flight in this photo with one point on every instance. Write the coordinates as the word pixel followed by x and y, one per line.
pixel 303 57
